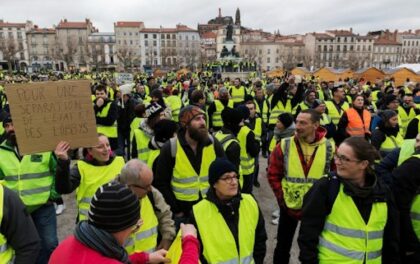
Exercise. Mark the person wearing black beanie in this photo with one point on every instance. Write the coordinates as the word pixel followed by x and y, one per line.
pixel 227 135
pixel 113 215
pixel 229 214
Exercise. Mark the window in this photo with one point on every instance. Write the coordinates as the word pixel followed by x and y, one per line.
pixel 10 34
pixel 162 36
pixel 145 36
pixel 154 36
pixel 268 60
pixel 351 47
pixel 146 43
pixel 325 48
pixel 338 48
pixel 319 48
pixel 358 48
pixel 277 51
pixel 19 35
pixel 268 51
pixel 125 33
pixel 260 51
pixel 345 39
pixel 154 43
pixel 338 39
pixel 131 42
pixel 173 36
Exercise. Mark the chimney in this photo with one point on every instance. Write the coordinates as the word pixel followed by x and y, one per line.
pixel 409 31
pixel 220 12
pixel 351 30
pixel 65 20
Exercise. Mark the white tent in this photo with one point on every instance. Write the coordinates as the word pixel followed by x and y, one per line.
pixel 415 67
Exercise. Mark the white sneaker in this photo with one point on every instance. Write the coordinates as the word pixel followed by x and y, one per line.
pixel 275 221
pixel 276 213
pixel 60 208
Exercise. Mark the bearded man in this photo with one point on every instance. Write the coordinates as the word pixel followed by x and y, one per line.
pixel 183 165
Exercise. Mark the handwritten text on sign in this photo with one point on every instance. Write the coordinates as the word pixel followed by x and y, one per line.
pixel 45 113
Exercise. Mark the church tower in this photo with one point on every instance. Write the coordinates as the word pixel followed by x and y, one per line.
pixel 238 17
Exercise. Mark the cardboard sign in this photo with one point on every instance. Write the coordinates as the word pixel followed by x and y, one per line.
pixel 122 78
pixel 46 113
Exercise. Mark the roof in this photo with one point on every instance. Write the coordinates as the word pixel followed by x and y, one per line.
pixel 75 25
pixel 207 35
pixel 341 32
pixel 129 24
pixel 415 67
pixel 105 34
pixel 369 68
pixel 37 30
pixel 180 27
pixel 158 30
pixel 383 41
pixel 7 24
pixel 334 70
pixel 322 36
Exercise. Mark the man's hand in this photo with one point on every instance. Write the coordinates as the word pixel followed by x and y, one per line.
pixel 164 244
pixel 158 257
pixel 100 102
pixel 188 230
pixel 62 149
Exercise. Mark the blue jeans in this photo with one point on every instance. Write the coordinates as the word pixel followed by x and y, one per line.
pixel 45 222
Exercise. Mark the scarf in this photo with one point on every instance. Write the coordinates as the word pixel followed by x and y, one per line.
pixel 146 129
pixel 362 192
pixel 288 132
pixel 100 241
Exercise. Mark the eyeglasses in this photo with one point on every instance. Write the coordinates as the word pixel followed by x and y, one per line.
pixel 137 226
pixel 344 159
pixel 230 179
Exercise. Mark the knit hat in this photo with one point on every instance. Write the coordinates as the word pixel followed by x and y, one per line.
pixel 286 119
pixel 219 167
pixel 153 110
pixel 316 103
pixel 244 111
pixel 188 113
pixel 164 130
pixel 114 208
pixel 231 116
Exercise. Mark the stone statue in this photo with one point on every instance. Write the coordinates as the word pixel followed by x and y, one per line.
pixel 224 52
pixel 233 52
pixel 229 32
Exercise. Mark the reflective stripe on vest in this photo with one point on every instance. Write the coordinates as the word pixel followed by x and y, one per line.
pixel 295 184
pixel 357 127
pixel 247 162
pixel 217 115
pixel 109 131
pixel 91 177
pixel 142 142
pixel 278 110
pixel 334 113
pixel 30 177
pixel 346 237
pixel 187 184
pixel 145 239
pixel 6 252
pixel 211 225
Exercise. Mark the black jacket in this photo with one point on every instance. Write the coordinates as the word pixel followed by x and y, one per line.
pixel 317 206
pixel 112 116
pixel 406 187
pixel 233 151
pixel 126 115
pixel 379 136
pixel 18 228
pixel 412 129
pixel 230 212
pixel 165 166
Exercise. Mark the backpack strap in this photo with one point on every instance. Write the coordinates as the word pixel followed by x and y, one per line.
pixel 173 146
pixel 333 189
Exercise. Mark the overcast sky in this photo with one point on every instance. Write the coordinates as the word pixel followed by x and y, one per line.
pixel 289 16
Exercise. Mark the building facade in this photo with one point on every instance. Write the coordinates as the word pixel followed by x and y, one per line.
pixel 42 44
pixel 14 52
pixel 72 43
pixel 103 51
pixel 128 47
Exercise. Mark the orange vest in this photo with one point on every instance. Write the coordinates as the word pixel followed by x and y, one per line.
pixel 356 126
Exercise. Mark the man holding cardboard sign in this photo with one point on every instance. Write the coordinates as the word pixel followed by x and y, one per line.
pixel 31 177
pixel 43 115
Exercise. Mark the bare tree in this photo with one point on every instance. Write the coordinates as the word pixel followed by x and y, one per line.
pixel 66 51
pixel 10 50
pixel 127 57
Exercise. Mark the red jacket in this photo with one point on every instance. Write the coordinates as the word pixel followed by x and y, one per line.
pixel 275 171
pixel 72 251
